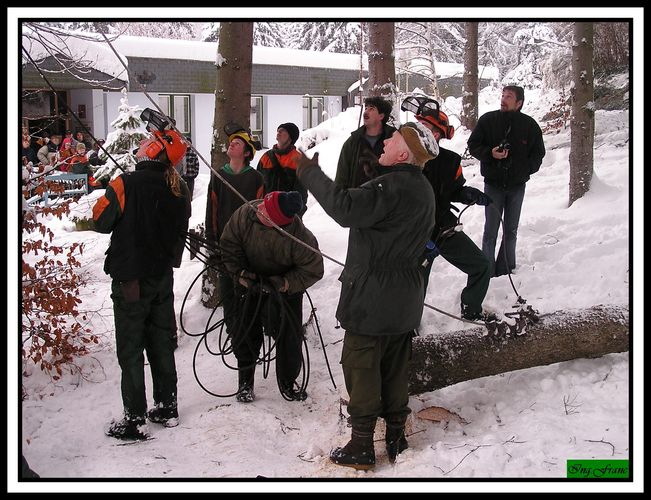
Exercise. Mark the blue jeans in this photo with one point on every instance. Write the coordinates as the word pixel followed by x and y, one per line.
pixel 507 204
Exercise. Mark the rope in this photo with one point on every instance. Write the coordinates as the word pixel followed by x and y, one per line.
pixel 264 295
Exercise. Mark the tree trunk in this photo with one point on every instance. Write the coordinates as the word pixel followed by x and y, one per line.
pixel 442 360
pixel 432 59
pixel 470 111
pixel 232 104
pixel 582 119
pixel 381 61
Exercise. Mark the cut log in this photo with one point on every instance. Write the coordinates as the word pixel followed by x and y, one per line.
pixel 444 359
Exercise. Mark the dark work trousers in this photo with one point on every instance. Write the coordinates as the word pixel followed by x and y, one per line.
pixel 460 251
pixel 144 325
pixel 253 315
pixel 376 374
pixel 507 204
pixel 190 182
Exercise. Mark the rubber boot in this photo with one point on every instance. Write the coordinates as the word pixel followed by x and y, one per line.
pixel 245 378
pixel 359 453
pixel 396 441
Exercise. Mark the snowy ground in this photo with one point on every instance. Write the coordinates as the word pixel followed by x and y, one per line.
pixel 517 425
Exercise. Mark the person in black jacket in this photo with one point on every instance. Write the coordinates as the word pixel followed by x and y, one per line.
pixel 510 147
pixel 446 177
pixel 146 212
pixel 390 217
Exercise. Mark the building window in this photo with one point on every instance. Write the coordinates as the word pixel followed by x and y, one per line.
pixel 177 107
pixel 312 111
pixel 256 115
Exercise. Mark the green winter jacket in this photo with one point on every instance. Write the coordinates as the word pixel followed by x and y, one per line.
pixel 247 243
pixel 390 218
pixel 357 146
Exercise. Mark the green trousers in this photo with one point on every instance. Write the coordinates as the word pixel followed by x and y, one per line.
pixel 145 325
pixel 377 377
pixel 460 251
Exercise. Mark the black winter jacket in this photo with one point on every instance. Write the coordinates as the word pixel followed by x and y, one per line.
pixel 526 153
pixel 147 221
pixel 391 218
pixel 445 175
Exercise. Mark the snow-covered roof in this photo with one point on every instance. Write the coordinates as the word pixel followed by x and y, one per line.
pixel 97 55
pixel 136 46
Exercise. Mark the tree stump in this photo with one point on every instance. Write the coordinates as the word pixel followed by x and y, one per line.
pixel 440 360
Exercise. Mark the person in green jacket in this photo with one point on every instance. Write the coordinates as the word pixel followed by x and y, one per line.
pixel 358 160
pixel 390 217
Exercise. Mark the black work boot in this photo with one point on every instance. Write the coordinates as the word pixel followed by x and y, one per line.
pixel 291 391
pixel 359 453
pixel 128 428
pixel 168 415
pixel 245 392
pixel 396 441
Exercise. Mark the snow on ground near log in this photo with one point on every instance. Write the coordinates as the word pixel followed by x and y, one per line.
pixel 522 424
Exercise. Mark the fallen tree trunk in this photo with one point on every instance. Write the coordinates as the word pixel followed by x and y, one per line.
pixel 445 359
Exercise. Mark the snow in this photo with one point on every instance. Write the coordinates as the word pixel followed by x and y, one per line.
pixel 447 70
pixel 521 424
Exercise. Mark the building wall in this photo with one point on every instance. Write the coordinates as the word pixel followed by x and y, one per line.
pixel 185 77
pixel 280 109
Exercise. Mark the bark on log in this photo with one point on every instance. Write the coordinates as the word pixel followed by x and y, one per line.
pixel 442 360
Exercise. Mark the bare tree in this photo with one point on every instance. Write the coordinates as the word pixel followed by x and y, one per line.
pixel 470 78
pixel 232 104
pixel 381 62
pixel 582 118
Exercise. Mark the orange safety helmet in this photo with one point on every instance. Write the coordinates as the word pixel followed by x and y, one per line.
pixel 169 141
pixel 442 123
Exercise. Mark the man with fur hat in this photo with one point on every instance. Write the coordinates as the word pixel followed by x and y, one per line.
pixel 278 165
pixel 256 255
pixel 445 175
pixel 358 160
pixel 381 303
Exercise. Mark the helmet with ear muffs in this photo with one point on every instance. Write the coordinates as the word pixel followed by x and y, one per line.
pixel 169 141
pixel 441 122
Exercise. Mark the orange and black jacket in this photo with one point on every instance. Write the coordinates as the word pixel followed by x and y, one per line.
pixel 147 221
pixel 278 167
pixel 445 175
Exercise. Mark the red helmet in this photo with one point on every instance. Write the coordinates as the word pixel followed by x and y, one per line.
pixel 169 141
pixel 442 123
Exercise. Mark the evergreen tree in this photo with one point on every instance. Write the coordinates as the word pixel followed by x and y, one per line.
pixel 210 32
pixel 341 37
pixel 121 142
pixel 271 34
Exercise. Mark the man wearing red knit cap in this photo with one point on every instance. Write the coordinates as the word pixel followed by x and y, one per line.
pixel 258 256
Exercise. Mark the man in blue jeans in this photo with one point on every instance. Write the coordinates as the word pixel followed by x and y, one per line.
pixel 510 147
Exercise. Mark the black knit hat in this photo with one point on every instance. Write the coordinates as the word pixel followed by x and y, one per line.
pixel 290 202
pixel 292 130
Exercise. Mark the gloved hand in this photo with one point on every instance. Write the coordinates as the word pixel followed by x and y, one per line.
pixel 279 283
pixel 247 278
pixel 470 195
pixel 430 253
pixel 303 162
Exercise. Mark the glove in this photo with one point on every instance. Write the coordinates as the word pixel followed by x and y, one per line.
pixel 304 162
pixel 430 253
pixel 470 195
pixel 279 283
pixel 247 278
